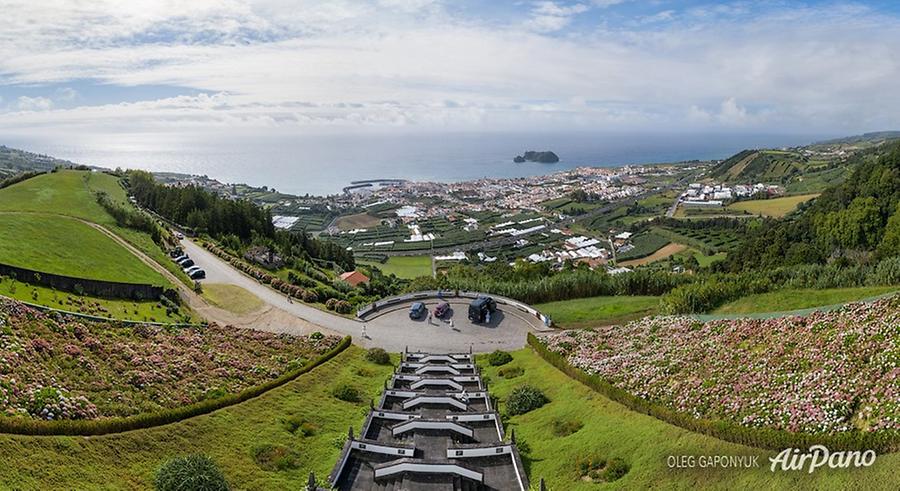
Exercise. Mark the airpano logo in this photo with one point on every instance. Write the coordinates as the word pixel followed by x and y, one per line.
pixel 818 456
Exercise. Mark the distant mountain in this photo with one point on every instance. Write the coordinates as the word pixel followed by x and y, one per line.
pixel 872 137
pixel 13 161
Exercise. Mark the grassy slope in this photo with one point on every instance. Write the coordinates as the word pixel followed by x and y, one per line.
pixel 404 266
pixel 45 243
pixel 359 220
pixel 151 311
pixel 785 300
pixel 231 298
pixel 776 207
pixel 597 311
pixel 611 430
pixel 129 460
pixel 72 193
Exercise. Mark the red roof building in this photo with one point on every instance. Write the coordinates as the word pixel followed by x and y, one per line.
pixel 355 278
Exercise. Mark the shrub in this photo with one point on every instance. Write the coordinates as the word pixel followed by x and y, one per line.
pixel 498 358
pixel 510 372
pixel 310 296
pixel 525 398
pixel 190 473
pixel 378 356
pixel 565 427
pixel 275 457
pixel 343 307
pixel 331 303
pixel 346 392
pixel 615 469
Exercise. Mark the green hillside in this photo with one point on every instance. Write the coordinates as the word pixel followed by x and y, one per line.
pixel 798 171
pixel 44 243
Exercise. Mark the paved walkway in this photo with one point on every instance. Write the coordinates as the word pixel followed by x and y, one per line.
pixel 391 329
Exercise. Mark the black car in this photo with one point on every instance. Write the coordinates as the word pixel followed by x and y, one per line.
pixel 480 308
pixel 417 310
pixel 197 274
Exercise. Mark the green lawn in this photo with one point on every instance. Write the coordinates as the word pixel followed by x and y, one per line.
pixel 231 298
pixel 775 207
pixel 404 266
pixel 599 311
pixel 610 430
pixel 65 246
pixel 70 192
pixel 796 299
pixel 151 311
pixel 129 460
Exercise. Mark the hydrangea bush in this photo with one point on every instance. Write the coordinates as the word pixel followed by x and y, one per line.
pixel 828 372
pixel 53 367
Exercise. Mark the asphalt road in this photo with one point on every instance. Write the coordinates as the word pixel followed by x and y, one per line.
pixel 392 329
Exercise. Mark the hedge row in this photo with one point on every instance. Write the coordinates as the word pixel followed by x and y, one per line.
pixel 724 430
pixel 22 426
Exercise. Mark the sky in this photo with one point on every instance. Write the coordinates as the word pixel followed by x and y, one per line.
pixel 90 67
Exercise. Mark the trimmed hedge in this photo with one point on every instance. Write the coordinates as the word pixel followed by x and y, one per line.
pixel 771 439
pixel 22 426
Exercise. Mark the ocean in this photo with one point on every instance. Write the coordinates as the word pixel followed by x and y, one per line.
pixel 324 164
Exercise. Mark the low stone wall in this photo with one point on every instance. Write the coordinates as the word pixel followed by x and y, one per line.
pixel 94 288
pixel 448 295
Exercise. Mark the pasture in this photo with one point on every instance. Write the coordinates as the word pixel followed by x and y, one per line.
pixel 775 207
pixel 404 266
pixel 599 311
pixel 66 246
pixel 796 299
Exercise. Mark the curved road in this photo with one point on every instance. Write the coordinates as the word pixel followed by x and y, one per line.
pixel 390 329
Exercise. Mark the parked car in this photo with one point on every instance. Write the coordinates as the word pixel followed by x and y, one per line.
pixel 481 308
pixel 191 269
pixel 180 258
pixel 176 252
pixel 180 236
pixel 442 309
pixel 417 310
pixel 198 274
pixel 186 263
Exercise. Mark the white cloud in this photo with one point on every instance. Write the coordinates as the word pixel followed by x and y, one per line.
pixel 25 103
pixel 66 94
pixel 549 16
pixel 398 63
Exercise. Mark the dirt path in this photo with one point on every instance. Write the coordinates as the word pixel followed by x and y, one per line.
pixel 666 251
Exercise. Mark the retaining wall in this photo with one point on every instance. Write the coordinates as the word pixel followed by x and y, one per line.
pixel 90 287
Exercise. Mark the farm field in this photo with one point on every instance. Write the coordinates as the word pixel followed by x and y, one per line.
pixel 797 299
pixel 404 266
pixel 776 207
pixel 359 220
pixel 611 430
pixel 703 259
pixel 147 311
pixel 670 249
pixel 597 311
pixel 645 244
pixel 230 436
pixel 710 241
pixel 43 243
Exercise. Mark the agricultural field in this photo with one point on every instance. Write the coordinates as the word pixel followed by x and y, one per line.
pixel 797 374
pixel 598 311
pixel 645 244
pixel 403 266
pixel 34 242
pixel 579 424
pixel 231 298
pixel 708 240
pixel 786 300
pixel 704 260
pixel 359 220
pixel 69 369
pixel 301 419
pixel 665 252
pixel 775 207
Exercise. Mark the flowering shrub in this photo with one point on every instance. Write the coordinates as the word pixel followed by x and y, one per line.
pixel 828 372
pixel 53 367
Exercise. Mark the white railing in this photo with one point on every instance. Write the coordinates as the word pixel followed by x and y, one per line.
pixel 381 448
pixel 452 401
pixel 436 381
pixel 428 468
pixel 464 453
pixel 418 424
